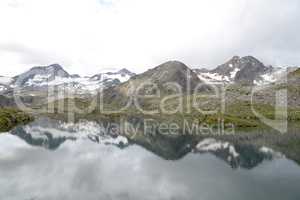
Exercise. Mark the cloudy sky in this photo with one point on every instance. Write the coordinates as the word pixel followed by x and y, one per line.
pixel 88 36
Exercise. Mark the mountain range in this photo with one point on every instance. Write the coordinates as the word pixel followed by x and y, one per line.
pixel 238 73
pixel 238 70
pixel 39 78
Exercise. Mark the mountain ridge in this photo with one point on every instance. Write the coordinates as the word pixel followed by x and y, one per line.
pixel 40 77
pixel 237 70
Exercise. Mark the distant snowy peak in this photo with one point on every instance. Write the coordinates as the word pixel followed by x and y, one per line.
pixel 122 75
pixel 125 71
pixel 55 75
pixel 247 70
pixel 40 75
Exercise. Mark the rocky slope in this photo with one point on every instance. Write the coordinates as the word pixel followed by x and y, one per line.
pixel 169 77
pixel 6 101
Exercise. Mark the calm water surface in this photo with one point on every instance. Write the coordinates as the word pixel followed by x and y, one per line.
pixel 65 167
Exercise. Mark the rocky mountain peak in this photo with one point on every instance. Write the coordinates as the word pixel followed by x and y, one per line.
pixel 125 71
pixel 41 74
pixel 174 64
pixel 238 62
pixel 156 79
pixel 55 67
pixel 122 75
pixel 237 70
pixel 250 70
pixel 168 72
pixel 234 60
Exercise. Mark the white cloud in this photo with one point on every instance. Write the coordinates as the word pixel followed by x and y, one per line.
pixel 89 35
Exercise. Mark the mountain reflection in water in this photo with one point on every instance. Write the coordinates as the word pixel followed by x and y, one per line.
pixel 51 134
pixel 83 163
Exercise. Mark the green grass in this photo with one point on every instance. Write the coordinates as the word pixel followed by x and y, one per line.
pixel 238 113
pixel 9 118
pixel 229 119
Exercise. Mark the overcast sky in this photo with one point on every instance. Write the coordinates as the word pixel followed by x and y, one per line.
pixel 88 36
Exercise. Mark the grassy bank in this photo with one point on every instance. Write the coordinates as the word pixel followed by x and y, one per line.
pixel 9 118
pixel 238 113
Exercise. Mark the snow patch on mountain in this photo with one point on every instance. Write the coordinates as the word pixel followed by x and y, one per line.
pixel 223 74
pixel 38 80
pixel 264 79
pixel 104 77
pixel 233 73
pixel 242 70
pixel 5 80
pixel 213 78
pixel 55 75
pixel 3 88
pixel 212 145
pixel 278 74
pixel 270 152
pixel 122 75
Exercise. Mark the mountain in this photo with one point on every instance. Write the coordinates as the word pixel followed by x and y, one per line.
pixel 172 71
pixel 121 75
pixel 245 70
pixel 241 70
pixel 149 82
pixel 169 72
pixel 125 71
pixel 39 78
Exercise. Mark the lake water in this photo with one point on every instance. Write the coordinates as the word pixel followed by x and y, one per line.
pixel 53 161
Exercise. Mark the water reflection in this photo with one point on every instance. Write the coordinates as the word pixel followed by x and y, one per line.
pixel 82 169
pixel 51 134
